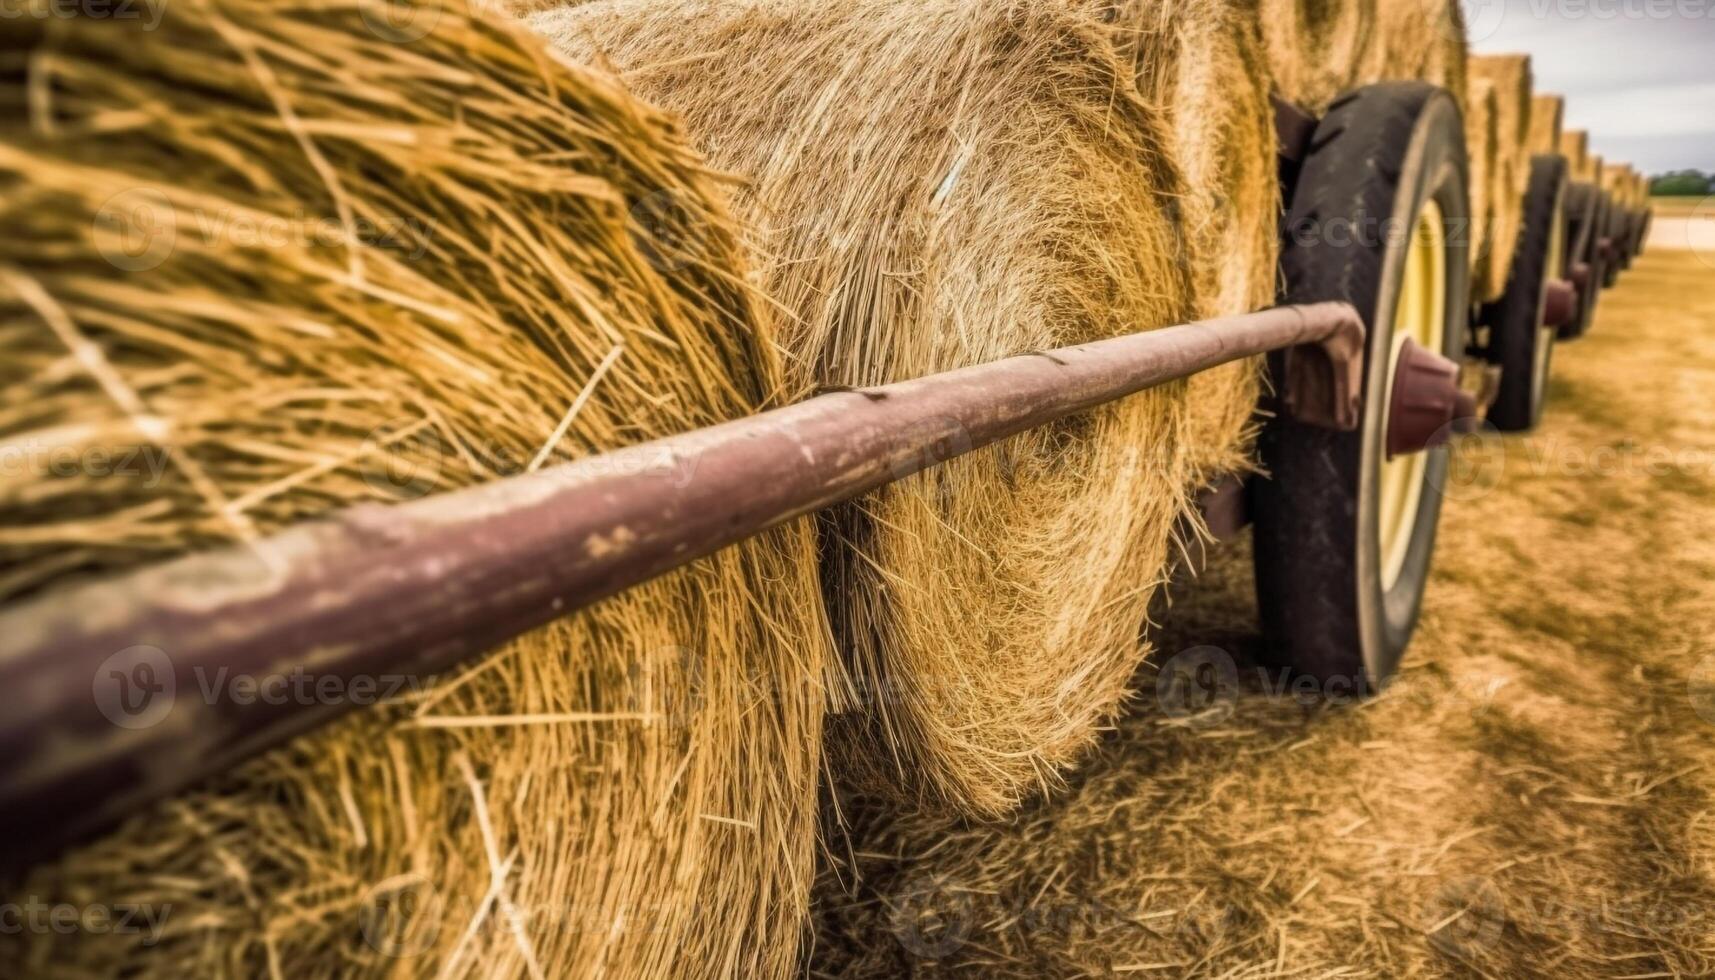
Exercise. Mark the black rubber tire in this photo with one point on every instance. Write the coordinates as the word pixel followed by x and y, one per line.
pixel 1584 205
pixel 1515 321
pixel 1376 158
pixel 1615 225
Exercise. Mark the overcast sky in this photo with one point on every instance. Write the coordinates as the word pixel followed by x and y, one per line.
pixel 1638 74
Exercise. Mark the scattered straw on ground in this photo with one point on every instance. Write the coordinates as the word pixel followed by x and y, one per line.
pixel 1535 796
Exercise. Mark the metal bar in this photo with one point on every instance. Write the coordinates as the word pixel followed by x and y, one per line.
pixel 108 684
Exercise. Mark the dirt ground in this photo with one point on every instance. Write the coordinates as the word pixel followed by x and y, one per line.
pixel 1535 796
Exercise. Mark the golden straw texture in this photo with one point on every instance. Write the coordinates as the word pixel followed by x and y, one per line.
pixel 1205 63
pixel 303 259
pixel 1315 47
pixel 1510 75
pixel 1547 116
pixel 1482 144
pixel 939 183
pixel 1418 41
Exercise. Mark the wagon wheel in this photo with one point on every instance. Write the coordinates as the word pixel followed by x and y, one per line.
pixel 1522 325
pixel 1584 267
pixel 1344 530
pixel 1613 257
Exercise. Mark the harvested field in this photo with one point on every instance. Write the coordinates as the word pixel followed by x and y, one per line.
pixel 1535 796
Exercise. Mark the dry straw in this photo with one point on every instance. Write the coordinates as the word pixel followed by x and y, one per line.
pixel 943 183
pixel 305 257
pixel 1205 63
pixel 1547 119
pixel 1482 145
pixel 1418 40
pixel 1508 181
pixel 1575 147
pixel 1316 47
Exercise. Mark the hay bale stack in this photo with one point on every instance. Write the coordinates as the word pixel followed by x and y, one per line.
pixel 1205 62
pixel 941 183
pixel 1482 143
pixel 1418 40
pixel 1575 147
pixel 300 265
pixel 1617 181
pixel 1509 178
pixel 1547 119
pixel 1316 48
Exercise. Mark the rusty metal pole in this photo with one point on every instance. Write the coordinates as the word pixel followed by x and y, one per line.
pixel 105 683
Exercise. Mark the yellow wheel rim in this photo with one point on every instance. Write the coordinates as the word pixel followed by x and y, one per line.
pixel 1420 315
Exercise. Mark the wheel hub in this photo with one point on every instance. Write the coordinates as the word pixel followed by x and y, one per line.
pixel 1426 401
pixel 1560 303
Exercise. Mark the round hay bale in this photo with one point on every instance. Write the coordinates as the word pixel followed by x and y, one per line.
pixel 1547 118
pixel 1316 47
pixel 1417 41
pixel 1510 76
pixel 264 261
pixel 1482 144
pixel 1204 62
pixel 940 183
pixel 1575 147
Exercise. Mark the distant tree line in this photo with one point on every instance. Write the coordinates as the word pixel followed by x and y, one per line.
pixel 1683 183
